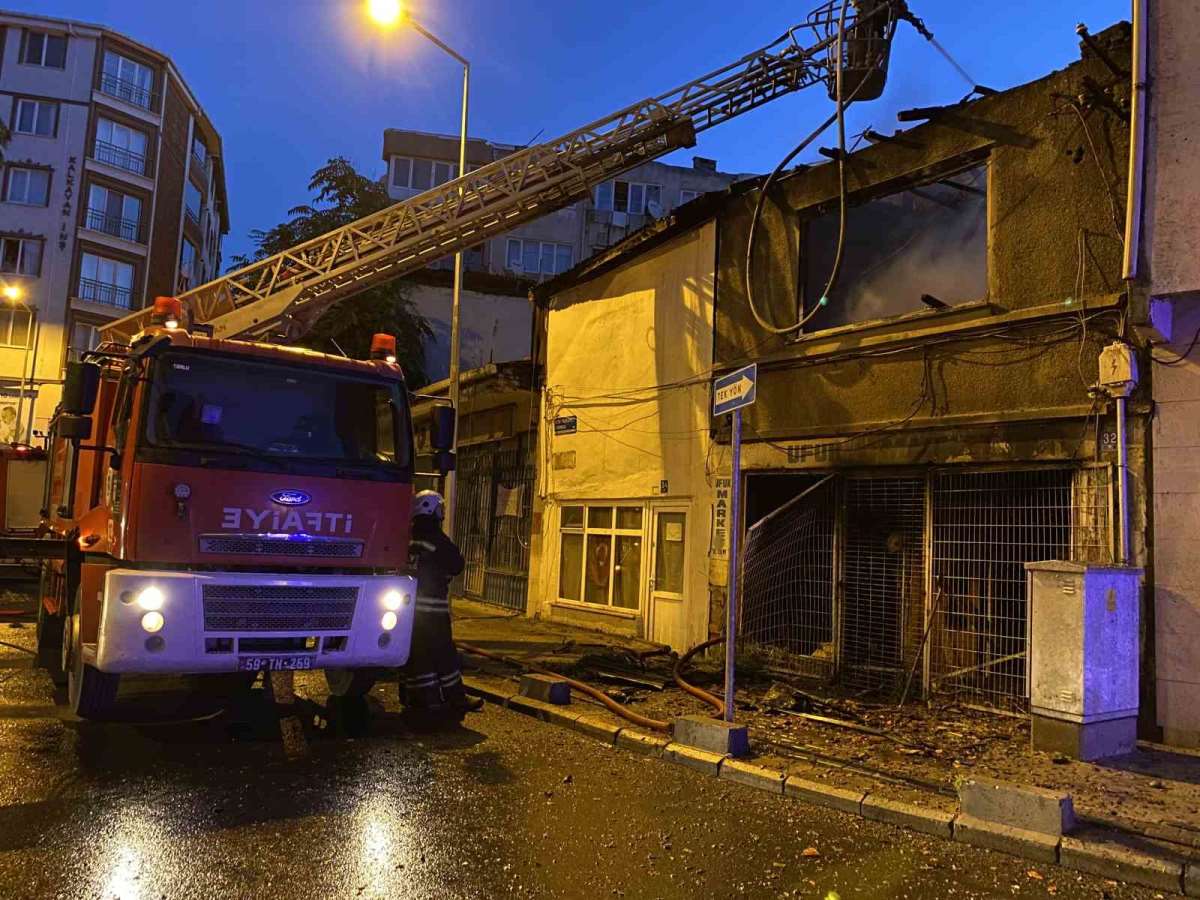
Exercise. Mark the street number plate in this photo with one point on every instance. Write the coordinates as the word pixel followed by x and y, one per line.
pixel 274 663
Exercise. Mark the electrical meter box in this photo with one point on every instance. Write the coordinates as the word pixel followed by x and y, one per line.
pixel 1083 658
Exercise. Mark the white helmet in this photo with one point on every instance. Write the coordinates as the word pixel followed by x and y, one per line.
pixel 429 503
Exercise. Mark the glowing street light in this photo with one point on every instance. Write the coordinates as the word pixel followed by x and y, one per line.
pixel 388 13
pixel 12 292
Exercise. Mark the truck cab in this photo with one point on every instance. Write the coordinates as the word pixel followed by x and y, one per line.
pixel 226 507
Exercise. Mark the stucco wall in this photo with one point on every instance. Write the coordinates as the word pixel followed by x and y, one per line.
pixel 647 323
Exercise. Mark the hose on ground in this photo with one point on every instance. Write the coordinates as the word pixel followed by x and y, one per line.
pixel 699 693
pixel 613 705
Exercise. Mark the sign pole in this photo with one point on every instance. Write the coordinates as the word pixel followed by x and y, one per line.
pixel 731 589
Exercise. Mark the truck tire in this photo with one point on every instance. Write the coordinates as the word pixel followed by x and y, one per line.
pixel 91 693
pixel 350 682
pixel 49 638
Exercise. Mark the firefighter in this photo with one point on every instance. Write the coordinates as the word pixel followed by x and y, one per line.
pixel 431 683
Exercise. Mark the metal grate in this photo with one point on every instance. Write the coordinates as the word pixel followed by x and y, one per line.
pixel 882 581
pixel 281 545
pixel 986 526
pixel 252 607
pixel 787 584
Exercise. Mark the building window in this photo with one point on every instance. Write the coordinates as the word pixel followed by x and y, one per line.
pixel 114 213
pixel 21 256
pixel 127 80
pixel 634 197
pixel 38 117
pixel 85 336
pixel 192 202
pixel 104 280
pixel 28 186
pixel 42 49
pixel 537 257
pixel 601 558
pixel 189 258
pixel 421 174
pixel 16 327
pixel 199 151
pixel 120 146
pixel 686 196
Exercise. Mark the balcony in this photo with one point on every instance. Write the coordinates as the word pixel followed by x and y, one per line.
pixel 105 293
pixel 200 168
pixel 120 157
pixel 126 229
pixel 192 215
pixel 127 91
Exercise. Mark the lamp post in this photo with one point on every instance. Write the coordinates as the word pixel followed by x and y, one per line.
pixel 389 13
pixel 12 293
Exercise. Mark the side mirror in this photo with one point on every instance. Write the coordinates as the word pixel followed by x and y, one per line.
pixel 80 388
pixel 74 428
pixel 444 421
pixel 444 461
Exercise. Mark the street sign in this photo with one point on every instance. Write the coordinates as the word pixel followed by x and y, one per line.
pixel 735 390
pixel 566 425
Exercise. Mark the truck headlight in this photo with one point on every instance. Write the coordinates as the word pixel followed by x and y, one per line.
pixel 388 622
pixel 394 599
pixel 152 621
pixel 151 600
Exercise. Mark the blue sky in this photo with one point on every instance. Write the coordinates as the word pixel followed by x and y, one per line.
pixel 290 83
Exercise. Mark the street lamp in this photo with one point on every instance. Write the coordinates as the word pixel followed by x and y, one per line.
pixel 13 294
pixel 389 13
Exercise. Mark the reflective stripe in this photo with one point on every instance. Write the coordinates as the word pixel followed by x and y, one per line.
pixel 454 678
pixel 422 680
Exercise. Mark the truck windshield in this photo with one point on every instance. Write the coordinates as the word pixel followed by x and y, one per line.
pixel 226 404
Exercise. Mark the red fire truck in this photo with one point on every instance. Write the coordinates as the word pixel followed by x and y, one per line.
pixel 205 531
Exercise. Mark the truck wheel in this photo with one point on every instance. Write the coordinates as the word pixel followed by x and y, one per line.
pixel 350 682
pixel 91 693
pixel 49 638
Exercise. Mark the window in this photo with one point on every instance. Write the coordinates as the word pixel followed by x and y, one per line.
pixel 601 555
pixel 85 336
pixel 421 174
pixel 120 146
pixel 537 257
pixel 188 269
pixel 629 196
pixel 21 256
pixel 113 213
pixel 41 49
pixel 28 186
pixel 192 202
pixel 38 117
pixel 686 196
pixel 104 280
pixel 16 326
pixel 127 80
pixel 199 151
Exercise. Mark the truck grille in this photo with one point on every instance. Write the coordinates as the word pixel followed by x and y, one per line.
pixel 253 607
pixel 281 545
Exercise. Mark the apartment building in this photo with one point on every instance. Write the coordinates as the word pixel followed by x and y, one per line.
pixel 418 161
pixel 112 192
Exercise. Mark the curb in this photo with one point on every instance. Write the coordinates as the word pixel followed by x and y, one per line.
pixel 1094 853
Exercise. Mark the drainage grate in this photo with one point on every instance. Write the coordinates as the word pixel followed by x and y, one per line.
pixel 239 608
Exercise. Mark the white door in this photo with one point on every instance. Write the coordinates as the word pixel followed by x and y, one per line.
pixel 668 575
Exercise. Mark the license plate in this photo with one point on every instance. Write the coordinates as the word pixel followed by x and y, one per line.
pixel 274 663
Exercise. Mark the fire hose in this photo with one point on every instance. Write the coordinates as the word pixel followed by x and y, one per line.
pixel 699 693
pixel 613 705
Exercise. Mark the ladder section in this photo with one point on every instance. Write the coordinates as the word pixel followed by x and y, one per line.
pixel 279 297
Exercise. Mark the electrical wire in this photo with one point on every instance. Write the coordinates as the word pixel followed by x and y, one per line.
pixel 1181 358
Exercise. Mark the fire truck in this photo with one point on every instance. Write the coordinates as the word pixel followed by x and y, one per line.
pixel 223 503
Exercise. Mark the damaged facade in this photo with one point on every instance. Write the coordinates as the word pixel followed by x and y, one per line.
pixel 933 427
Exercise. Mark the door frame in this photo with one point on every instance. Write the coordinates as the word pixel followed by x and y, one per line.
pixel 654 507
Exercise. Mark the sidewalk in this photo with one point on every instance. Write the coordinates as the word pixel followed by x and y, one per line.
pixel 916 754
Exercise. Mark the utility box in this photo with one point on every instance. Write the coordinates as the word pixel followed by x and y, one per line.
pixel 1083 666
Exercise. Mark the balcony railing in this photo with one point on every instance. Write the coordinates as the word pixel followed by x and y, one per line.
pixel 98 220
pixel 120 157
pixel 103 292
pixel 200 167
pixel 192 215
pixel 127 91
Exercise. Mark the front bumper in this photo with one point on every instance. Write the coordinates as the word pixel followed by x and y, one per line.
pixel 210 620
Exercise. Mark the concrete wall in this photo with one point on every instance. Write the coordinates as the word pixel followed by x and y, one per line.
pixel 1171 277
pixel 495 327
pixel 647 323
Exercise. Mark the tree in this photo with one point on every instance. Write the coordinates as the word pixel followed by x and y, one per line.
pixel 342 195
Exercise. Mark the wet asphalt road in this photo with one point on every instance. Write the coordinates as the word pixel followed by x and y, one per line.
pixel 504 806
